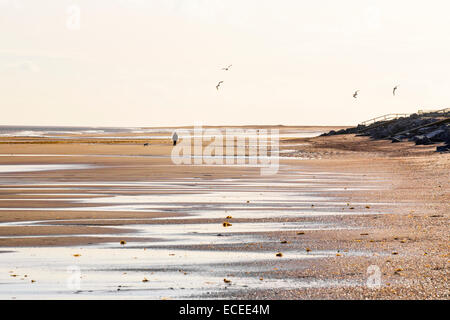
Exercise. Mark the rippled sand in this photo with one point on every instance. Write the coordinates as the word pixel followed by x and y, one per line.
pixel 334 208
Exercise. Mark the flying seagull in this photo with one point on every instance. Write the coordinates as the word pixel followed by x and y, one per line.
pixel 226 68
pixel 355 94
pixel 218 85
pixel 393 91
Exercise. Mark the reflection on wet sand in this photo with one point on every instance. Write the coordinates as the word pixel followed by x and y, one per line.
pixel 168 228
pixel 110 268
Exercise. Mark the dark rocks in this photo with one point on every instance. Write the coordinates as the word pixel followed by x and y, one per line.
pixel 420 129
pixel 422 140
pixel 439 135
pixel 342 131
pixel 445 148
pixel 331 133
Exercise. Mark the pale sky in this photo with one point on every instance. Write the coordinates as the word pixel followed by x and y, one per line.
pixel 157 62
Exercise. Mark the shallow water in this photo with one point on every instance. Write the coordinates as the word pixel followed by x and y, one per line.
pixel 109 133
pixel 112 273
pixel 105 268
pixel 8 168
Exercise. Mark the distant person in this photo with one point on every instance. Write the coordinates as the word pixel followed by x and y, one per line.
pixel 174 138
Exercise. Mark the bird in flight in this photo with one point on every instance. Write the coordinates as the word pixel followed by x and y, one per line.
pixel 393 91
pixel 355 94
pixel 218 85
pixel 227 68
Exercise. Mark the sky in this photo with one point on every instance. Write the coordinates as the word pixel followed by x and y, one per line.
pixel 157 62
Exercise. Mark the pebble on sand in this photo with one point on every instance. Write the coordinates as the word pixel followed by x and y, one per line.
pixel 279 254
pixel 226 224
pixel 123 242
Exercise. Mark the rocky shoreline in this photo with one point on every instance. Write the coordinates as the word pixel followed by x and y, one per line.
pixel 423 129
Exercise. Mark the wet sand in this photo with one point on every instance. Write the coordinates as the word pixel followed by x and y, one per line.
pixel 337 206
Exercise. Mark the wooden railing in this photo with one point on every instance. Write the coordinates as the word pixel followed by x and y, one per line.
pixel 443 111
pixel 392 116
pixel 385 117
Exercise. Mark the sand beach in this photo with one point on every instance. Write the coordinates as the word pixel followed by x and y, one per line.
pixel 129 223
